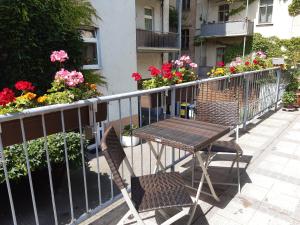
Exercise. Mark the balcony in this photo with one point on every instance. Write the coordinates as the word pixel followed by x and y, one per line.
pixel 152 41
pixel 85 192
pixel 226 29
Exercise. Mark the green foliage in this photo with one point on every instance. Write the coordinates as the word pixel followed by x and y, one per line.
pixel 294 8
pixel 240 8
pixel 272 46
pixel 127 130
pixel 60 97
pixel 16 162
pixel 92 77
pixel 289 98
pixel 293 76
pixel 31 29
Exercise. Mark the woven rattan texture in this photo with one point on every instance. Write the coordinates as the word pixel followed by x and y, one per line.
pixel 218 112
pixel 185 134
pixel 156 191
pixel 114 154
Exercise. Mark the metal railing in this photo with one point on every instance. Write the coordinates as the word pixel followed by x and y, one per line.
pixel 226 29
pixel 87 190
pixel 154 39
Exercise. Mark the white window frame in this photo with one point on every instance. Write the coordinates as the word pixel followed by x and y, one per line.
pixel 266 7
pixel 149 17
pixel 96 41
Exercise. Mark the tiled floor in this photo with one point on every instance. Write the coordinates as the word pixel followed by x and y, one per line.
pixel 271 183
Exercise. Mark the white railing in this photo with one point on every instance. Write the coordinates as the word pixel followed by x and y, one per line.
pixel 87 190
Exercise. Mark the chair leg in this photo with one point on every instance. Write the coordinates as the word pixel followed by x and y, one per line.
pixel 237 134
pixel 238 174
pixel 184 212
pixel 193 170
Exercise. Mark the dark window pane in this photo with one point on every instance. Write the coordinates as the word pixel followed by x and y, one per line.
pixel 185 36
pixel 90 54
pixel 263 15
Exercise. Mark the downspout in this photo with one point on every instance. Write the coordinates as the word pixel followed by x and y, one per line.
pixel 179 11
pixel 162 26
pixel 246 21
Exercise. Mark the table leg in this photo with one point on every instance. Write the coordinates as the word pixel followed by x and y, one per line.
pixel 157 156
pixel 206 175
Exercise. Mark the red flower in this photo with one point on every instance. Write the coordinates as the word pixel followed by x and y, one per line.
pixel 168 75
pixel 220 64
pixel 24 86
pixel 232 69
pixel 178 74
pixel 154 71
pixel 247 63
pixel 255 62
pixel 136 76
pixel 167 67
pixel 6 96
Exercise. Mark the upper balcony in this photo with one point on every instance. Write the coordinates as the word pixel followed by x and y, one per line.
pixel 153 41
pixel 226 29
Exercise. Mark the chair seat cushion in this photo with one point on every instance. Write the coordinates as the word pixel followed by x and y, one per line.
pixel 227 147
pixel 157 191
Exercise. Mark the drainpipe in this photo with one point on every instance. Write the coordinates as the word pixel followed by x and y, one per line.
pixel 246 21
pixel 162 15
pixel 179 12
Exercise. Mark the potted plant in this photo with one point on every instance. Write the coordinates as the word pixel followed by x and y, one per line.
pixel 67 87
pixel 289 100
pixel 174 72
pixel 127 138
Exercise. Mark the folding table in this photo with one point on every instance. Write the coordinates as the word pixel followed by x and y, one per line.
pixel 185 134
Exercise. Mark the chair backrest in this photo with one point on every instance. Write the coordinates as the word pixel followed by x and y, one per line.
pixel 114 154
pixel 218 112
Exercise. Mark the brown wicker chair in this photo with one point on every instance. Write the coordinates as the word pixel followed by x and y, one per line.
pixel 223 113
pixel 150 192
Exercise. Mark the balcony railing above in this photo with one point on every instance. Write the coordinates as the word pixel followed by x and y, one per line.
pixel 156 41
pixel 226 29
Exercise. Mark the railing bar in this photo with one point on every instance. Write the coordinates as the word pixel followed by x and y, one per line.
pixel 149 121
pixel 49 169
pixel 83 162
pixel 96 132
pixel 120 132
pixel 141 140
pixel 131 141
pixel 2 159
pixel 67 165
pixel 157 105
pixel 110 173
pixel 29 173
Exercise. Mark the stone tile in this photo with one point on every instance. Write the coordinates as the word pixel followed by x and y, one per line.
pixel 296 126
pixel 254 140
pixel 287 189
pixel 267 219
pixel 270 166
pixel 238 210
pixel 254 192
pixel 265 130
pixel 262 181
pixel 281 201
pixel 293 135
pixel 285 147
pixel 280 160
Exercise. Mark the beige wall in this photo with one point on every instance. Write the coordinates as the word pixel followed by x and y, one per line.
pixel 144 60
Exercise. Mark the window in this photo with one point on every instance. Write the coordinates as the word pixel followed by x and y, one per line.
pixel 265 11
pixel 149 19
pixel 185 36
pixel 186 4
pixel 220 55
pixel 90 49
pixel 223 13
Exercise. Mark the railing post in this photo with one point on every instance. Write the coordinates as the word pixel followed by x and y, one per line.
pixel 278 76
pixel 173 109
pixel 246 102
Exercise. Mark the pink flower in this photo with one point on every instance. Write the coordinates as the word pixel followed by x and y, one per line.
pixel 59 56
pixel 136 76
pixel 179 63
pixel 261 54
pixel 193 65
pixel 185 59
pixel 154 71
pixel 71 79
pixel 220 64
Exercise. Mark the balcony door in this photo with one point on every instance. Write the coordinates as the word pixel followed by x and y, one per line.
pixel 223 13
pixel 149 18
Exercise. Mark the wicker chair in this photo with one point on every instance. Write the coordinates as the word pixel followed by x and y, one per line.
pixel 227 114
pixel 150 192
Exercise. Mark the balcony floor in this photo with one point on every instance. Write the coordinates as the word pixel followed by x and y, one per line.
pixel 271 182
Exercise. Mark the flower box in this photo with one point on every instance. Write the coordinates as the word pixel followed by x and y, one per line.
pixel 12 133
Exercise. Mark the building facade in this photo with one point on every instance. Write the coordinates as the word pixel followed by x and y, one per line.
pixel 218 27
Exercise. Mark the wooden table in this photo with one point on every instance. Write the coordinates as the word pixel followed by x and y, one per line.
pixel 189 135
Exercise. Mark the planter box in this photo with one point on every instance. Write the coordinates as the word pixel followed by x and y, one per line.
pixel 126 141
pixel 150 101
pixel 12 134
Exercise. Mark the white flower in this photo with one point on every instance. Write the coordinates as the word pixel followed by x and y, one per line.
pixel 283 48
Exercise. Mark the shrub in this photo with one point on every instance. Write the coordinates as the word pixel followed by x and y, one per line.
pixel 289 98
pixel 31 29
pixel 16 162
